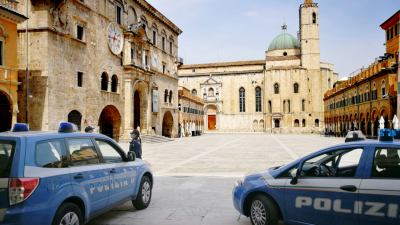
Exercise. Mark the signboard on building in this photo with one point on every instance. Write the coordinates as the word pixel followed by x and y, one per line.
pixel 154 101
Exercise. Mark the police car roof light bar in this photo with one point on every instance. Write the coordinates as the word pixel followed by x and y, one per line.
pixel 67 127
pixel 20 127
pixel 386 135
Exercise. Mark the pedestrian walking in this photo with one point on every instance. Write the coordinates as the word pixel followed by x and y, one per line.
pixel 135 144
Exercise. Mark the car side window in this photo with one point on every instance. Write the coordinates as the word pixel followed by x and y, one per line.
pixel 51 154
pixel 386 163
pixel 339 163
pixel 82 152
pixel 110 154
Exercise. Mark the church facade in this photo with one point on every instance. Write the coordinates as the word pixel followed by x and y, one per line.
pixel 282 93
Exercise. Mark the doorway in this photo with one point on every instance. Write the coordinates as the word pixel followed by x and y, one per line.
pixel 136 110
pixel 5 112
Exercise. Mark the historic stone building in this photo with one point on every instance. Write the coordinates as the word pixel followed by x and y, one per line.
pixel 281 93
pixel 191 114
pixel 9 18
pixel 360 101
pixel 103 63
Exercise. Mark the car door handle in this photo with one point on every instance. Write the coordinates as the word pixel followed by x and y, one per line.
pixel 350 188
pixel 78 176
pixel 113 171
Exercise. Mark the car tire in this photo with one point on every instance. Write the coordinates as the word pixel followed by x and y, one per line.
pixel 263 211
pixel 143 197
pixel 68 214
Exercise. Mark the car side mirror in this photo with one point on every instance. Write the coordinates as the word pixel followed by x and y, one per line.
pixel 131 156
pixel 294 180
pixel 295 175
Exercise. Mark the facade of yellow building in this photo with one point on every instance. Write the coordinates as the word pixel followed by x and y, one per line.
pixel 9 19
pixel 360 101
pixel 190 113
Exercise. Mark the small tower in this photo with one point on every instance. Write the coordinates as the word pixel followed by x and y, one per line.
pixel 309 35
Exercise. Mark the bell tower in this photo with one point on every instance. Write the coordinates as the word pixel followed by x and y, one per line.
pixel 309 35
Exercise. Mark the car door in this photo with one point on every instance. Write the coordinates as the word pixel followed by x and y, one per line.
pixel 380 190
pixel 326 189
pixel 92 179
pixel 123 173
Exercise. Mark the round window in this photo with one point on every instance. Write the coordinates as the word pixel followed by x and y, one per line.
pixel 284 53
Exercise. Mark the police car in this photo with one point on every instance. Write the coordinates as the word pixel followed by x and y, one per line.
pixel 352 183
pixel 66 177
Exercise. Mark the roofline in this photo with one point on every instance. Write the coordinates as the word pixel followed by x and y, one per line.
pixel 15 15
pixel 383 25
pixel 160 16
pixel 223 64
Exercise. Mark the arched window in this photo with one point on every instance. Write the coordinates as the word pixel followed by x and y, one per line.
pixel 316 122
pixel 329 83
pixel 114 83
pixel 210 92
pixel 383 88
pixel 242 103
pixel 374 94
pixel 258 99
pixel 75 117
pixel 276 88
pixel 296 123
pixel 104 81
pixel 165 95
pixel 194 92
pixel 314 18
pixel 289 109
pixel 303 123
pixel 132 16
pixel 303 105
pixel 170 96
pixel 284 106
pixel 296 88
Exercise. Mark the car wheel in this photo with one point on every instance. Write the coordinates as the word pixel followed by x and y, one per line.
pixel 263 211
pixel 68 214
pixel 143 198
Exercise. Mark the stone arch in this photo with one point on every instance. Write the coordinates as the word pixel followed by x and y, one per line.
pixel 194 92
pixel 316 122
pixel 167 124
pixel 139 104
pixel 276 88
pixel 255 125
pixel 277 123
pixel 261 125
pixel 296 123
pixel 110 122
pixel 303 123
pixel 132 16
pixel 75 117
pixel 6 108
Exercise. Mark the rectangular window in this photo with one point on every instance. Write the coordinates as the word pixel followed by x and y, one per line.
pixel 80 32
pixel 132 54
pixel 170 48
pixel 164 68
pixel 1 53
pixel 154 37
pixel 118 15
pixel 82 152
pixel 79 78
pixel 386 163
pixel 163 43
pixel 387 35
pixel 7 149
pixel 51 154
pixel 396 31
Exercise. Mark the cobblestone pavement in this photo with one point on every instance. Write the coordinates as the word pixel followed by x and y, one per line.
pixel 195 176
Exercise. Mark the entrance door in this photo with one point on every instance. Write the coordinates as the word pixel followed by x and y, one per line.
pixel 136 110
pixel 5 113
pixel 212 122
pixel 168 122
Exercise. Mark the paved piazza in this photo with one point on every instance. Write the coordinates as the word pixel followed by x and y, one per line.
pixel 195 176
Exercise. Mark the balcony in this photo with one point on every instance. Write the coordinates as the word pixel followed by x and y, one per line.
pixel 111 97
pixel 9 4
pixel 211 99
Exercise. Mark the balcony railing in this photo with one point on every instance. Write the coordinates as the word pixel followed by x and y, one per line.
pixel 211 99
pixel 110 96
pixel 9 4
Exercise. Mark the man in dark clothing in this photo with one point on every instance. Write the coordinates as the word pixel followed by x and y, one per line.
pixel 135 144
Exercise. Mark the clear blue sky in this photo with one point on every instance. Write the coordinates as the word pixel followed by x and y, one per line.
pixel 231 30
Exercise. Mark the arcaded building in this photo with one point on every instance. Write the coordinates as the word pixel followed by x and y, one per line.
pixel 282 93
pixel 101 63
pixel 191 114
pixel 361 100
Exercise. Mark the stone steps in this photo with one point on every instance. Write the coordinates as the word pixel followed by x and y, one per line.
pixel 154 139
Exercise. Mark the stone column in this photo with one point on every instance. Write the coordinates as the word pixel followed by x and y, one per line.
pixel 128 107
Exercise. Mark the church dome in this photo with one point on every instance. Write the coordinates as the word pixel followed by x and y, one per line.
pixel 284 41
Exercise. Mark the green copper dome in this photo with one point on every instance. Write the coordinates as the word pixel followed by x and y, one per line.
pixel 284 41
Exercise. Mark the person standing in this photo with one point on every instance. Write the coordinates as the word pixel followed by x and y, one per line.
pixel 135 144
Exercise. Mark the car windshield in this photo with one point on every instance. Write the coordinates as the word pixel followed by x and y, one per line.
pixel 6 155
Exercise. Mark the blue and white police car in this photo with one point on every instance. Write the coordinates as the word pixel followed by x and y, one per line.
pixel 352 183
pixel 66 177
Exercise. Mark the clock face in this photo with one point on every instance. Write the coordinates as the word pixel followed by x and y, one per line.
pixel 115 38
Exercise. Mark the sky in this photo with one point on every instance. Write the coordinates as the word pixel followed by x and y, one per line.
pixel 235 30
